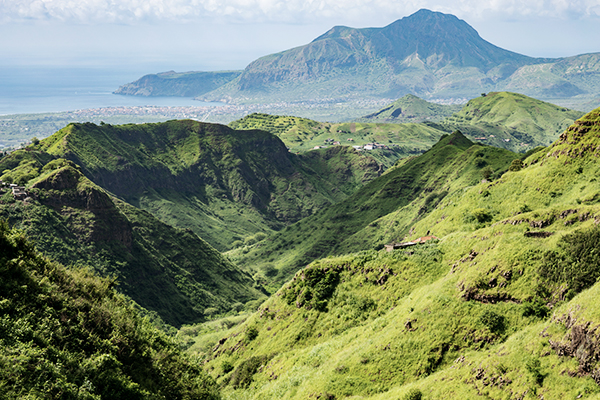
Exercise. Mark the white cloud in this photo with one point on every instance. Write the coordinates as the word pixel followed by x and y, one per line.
pixel 287 11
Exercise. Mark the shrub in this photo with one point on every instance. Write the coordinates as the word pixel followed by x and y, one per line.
pixel 251 334
pixel 243 374
pixel 487 172
pixel 480 215
pixel 576 262
pixel 226 366
pixel 492 320
pixel 516 165
pixel 413 394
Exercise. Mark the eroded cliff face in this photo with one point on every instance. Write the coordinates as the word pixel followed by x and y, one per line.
pixel 88 210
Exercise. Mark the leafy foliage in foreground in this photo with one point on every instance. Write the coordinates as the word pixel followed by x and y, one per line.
pixel 68 334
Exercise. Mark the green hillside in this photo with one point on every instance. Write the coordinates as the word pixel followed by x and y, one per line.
pixel 511 120
pixel 224 185
pixel 409 191
pixel 503 305
pixel 301 135
pixel 68 334
pixel 411 108
pixel 75 222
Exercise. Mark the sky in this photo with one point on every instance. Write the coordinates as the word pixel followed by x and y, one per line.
pixel 147 36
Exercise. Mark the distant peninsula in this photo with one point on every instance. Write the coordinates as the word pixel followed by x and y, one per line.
pixel 178 84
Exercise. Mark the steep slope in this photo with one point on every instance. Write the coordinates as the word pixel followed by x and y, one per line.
pixel 68 334
pixel 185 84
pixel 511 120
pixel 168 271
pixel 504 305
pixel 410 108
pixel 300 135
pixel 223 184
pixel 410 190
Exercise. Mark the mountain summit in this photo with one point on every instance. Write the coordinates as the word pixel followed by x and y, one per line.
pixel 425 53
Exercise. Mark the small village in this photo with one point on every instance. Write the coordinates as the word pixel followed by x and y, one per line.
pixel 18 192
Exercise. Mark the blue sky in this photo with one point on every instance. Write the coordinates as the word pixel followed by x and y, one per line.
pixel 159 35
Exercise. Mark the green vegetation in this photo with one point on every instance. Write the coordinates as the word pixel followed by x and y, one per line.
pixel 301 135
pixel 75 222
pixel 69 334
pixel 222 184
pixel 504 305
pixel 410 108
pixel 511 120
pixel 383 211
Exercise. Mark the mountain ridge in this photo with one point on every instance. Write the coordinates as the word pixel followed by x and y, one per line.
pixel 428 54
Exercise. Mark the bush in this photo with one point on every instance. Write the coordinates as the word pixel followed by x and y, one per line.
pixel 487 172
pixel 251 334
pixel 516 165
pixel 243 374
pixel 226 366
pixel 480 215
pixel 492 320
pixel 413 394
pixel 576 263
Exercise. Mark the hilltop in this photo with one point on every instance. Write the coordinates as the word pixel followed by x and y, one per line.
pixel 427 54
pixel 394 141
pixel 503 305
pixel 503 119
pixel 411 108
pixel 223 184
pixel 76 222
pixel 510 120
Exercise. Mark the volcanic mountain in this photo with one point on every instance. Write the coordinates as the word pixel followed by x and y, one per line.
pixel 425 53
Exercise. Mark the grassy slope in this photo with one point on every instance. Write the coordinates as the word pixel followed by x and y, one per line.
pixel 301 134
pixel 472 316
pixel 69 334
pixel 411 108
pixel 524 121
pixel 223 184
pixel 74 221
pixel 406 193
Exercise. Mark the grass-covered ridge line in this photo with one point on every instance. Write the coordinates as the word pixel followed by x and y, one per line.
pixel 411 108
pixel 74 221
pixel 511 120
pixel 223 184
pixel 69 334
pixel 485 312
pixel 301 135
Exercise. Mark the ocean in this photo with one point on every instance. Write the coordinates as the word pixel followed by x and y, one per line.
pixel 37 89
